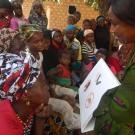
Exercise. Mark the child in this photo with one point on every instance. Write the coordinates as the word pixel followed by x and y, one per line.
pixel 88 47
pixel 18 18
pixel 61 75
pixel 75 48
pixel 88 52
pixel 102 53
pixel 61 79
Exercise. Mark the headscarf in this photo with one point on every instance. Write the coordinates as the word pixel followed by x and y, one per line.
pixel 17 74
pixel 88 31
pixel 70 28
pixel 28 30
pixel 6 36
pixel 34 18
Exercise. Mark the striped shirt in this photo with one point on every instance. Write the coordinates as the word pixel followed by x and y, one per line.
pixel 89 50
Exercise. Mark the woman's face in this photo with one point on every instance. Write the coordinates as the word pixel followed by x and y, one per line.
pixel 124 31
pixel 18 10
pixel 38 9
pixel 58 37
pixel 37 42
pixel 39 93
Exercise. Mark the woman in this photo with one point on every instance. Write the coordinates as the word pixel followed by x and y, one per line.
pixel 51 55
pixel 5 13
pixel 38 15
pixel 115 113
pixel 18 18
pixel 102 34
pixel 22 92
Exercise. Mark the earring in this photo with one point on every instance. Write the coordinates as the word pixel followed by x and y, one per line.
pixel 28 103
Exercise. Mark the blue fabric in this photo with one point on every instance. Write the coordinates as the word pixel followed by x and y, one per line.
pixel 70 28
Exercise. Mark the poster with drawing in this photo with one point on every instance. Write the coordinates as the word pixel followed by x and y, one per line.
pixel 99 80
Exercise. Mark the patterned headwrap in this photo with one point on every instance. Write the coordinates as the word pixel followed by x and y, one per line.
pixel 17 74
pixel 28 30
pixel 6 36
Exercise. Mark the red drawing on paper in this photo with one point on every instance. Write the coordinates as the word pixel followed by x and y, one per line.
pixel 89 100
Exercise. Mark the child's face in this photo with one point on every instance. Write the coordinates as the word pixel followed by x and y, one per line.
pixel 37 42
pixel 99 56
pixel 86 25
pixel 89 38
pixel 70 35
pixel 58 37
pixel 65 59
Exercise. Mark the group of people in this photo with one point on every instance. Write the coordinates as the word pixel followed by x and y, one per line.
pixel 41 70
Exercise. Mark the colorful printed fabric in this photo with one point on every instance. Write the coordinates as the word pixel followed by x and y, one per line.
pixel 28 30
pixel 55 125
pixel 34 18
pixel 17 74
pixel 6 35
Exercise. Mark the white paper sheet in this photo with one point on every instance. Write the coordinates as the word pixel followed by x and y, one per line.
pixel 99 80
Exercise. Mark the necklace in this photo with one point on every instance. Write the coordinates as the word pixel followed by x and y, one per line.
pixel 25 124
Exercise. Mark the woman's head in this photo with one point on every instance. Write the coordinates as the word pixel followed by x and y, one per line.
pixel 89 36
pixel 70 32
pixel 34 37
pixel 17 44
pixel 38 7
pixel 122 16
pixel 101 21
pixel 17 9
pixel 20 79
pixel 65 58
pixel 57 36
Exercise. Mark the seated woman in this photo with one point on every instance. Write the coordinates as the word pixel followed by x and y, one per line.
pixel 22 92
pixel 51 55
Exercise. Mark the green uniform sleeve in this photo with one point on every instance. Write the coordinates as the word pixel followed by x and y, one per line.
pixel 122 107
